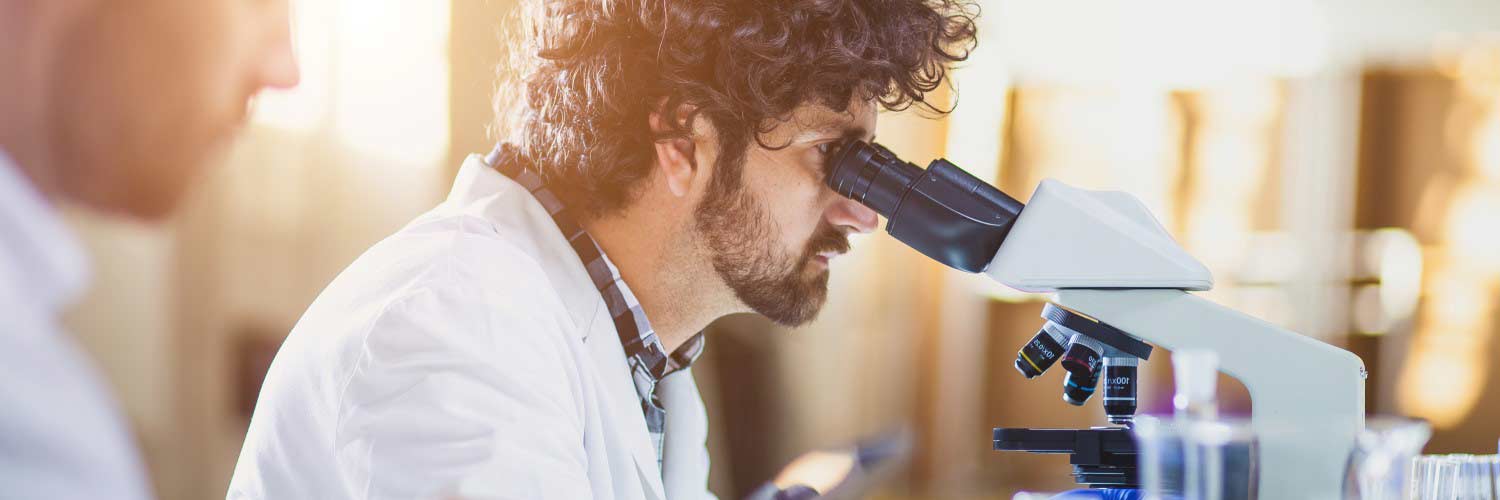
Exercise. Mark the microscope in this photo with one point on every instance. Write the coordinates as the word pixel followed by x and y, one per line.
pixel 1120 286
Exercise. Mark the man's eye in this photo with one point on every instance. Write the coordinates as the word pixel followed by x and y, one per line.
pixel 825 156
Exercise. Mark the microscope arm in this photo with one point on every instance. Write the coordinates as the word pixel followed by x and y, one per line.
pixel 1307 397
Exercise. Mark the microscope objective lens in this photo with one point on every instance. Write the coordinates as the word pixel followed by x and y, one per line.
pixel 1041 352
pixel 1077 389
pixel 1083 356
pixel 1081 360
pixel 1119 389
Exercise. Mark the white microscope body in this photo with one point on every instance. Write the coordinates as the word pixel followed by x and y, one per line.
pixel 1105 256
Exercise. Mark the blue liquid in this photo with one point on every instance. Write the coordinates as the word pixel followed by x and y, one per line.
pixel 1100 494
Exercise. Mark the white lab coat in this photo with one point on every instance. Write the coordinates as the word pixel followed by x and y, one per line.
pixel 468 355
pixel 62 435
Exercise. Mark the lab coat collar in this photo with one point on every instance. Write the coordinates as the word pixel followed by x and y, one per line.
pixel 477 181
pixel 506 203
pixel 509 204
pixel 39 255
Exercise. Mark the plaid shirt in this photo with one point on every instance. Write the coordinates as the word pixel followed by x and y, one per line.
pixel 643 350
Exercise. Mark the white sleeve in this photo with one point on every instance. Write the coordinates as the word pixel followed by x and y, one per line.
pixel 457 390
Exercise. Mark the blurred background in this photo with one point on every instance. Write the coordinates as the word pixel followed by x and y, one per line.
pixel 1335 163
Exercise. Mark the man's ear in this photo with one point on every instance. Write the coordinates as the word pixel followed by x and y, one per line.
pixel 676 158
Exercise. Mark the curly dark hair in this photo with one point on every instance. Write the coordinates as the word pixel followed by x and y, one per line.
pixel 594 70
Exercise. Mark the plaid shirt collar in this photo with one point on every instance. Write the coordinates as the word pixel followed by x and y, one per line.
pixel 644 352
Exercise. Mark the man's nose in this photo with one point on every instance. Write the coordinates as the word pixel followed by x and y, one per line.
pixel 282 72
pixel 278 64
pixel 847 213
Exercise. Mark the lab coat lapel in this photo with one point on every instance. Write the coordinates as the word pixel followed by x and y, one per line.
pixel 585 305
pixel 629 422
pixel 685 471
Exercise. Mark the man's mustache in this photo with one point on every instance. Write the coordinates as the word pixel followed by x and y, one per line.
pixel 827 239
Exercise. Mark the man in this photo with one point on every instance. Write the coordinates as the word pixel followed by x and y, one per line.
pixel 114 106
pixel 530 337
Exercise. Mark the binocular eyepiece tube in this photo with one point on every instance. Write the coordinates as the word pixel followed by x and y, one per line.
pixel 941 211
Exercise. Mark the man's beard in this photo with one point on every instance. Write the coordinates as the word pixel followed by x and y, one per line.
pixel 742 239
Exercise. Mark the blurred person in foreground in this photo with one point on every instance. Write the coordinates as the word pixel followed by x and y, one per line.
pixel 114 106
pixel 531 336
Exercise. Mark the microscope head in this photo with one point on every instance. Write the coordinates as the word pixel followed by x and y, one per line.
pixel 1074 238
pixel 1064 237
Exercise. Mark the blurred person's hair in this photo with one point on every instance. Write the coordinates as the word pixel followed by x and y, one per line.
pixel 592 71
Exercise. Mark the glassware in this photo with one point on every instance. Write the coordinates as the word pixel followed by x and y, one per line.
pixel 1379 466
pixel 1196 374
pixel 1196 455
pixel 1434 478
pixel 1454 477
pixel 1476 478
pixel 1197 459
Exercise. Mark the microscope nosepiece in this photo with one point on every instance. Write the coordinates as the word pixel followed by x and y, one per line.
pixel 1041 352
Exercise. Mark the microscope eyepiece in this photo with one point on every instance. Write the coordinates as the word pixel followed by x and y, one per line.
pixel 941 211
pixel 872 175
pixel 1041 352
